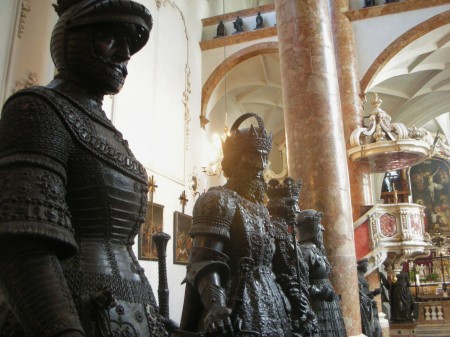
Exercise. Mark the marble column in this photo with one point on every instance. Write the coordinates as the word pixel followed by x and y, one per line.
pixel 351 104
pixel 315 136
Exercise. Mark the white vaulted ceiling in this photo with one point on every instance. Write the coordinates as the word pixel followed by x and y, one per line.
pixel 414 86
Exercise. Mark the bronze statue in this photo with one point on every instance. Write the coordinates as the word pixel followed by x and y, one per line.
pixel 72 194
pixel 369 3
pixel 369 311
pixel 220 29
pixel 402 301
pixel 238 25
pixel 288 263
pixel 259 21
pixel 328 311
pixel 231 289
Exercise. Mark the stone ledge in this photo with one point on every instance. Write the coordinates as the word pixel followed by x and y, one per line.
pixel 214 20
pixel 238 38
pixel 393 8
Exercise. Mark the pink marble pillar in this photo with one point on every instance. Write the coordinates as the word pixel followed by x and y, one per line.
pixel 351 103
pixel 315 136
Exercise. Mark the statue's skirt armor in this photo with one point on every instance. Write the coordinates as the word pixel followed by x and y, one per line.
pixel 94 203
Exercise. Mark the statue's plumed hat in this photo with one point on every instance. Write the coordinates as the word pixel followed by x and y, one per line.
pixel 77 13
pixel 242 140
pixel 306 223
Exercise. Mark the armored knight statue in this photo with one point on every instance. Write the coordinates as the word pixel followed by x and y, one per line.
pixel 231 288
pixel 369 311
pixel 328 311
pixel 72 194
pixel 288 263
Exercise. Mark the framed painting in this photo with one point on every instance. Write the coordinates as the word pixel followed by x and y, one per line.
pixel 430 185
pixel 153 223
pixel 183 241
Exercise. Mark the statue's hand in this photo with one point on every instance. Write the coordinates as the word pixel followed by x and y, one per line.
pixel 169 324
pixel 218 321
pixel 326 294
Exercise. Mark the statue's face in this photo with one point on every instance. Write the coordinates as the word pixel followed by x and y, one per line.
pixel 319 232
pixel 248 173
pixel 291 208
pixel 97 56
pixel 111 46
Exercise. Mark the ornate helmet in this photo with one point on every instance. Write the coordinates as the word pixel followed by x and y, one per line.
pixel 78 13
pixel 247 139
pixel 307 222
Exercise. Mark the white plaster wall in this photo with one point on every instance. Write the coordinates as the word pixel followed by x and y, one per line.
pixel 216 6
pixel 151 114
pixel 30 53
pixel 374 35
pixel 8 16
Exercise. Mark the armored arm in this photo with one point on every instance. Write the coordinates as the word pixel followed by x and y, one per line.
pixel 207 270
pixel 35 227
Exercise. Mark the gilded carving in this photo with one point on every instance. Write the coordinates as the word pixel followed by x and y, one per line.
pixel 25 8
pixel 29 82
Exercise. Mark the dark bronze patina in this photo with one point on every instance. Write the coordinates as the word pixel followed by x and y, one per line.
pixel 288 263
pixel 325 302
pixel 72 195
pixel 231 288
pixel 402 301
pixel 369 312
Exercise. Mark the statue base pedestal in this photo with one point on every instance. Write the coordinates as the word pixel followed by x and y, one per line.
pixel 402 329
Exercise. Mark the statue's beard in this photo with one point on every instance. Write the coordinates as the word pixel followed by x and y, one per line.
pixel 253 189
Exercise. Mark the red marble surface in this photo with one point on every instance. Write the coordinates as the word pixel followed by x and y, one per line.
pixel 388 225
pixel 363 243
pixel 315 136
pixel 351 104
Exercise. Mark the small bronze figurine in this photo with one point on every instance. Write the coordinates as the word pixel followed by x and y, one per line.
pixel 220 30
pixel 288 263
pixel 230 284
pixel 310 229
pixel 259 21
pixel 369 311
pixel 238 25
pixel 73 195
